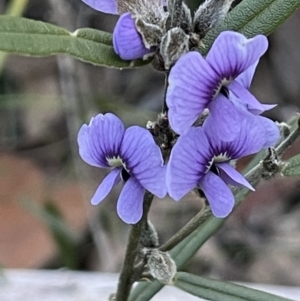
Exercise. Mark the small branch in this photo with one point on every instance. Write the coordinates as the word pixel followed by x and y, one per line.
pixel 192 225
pixel 285 144
pixel 126 278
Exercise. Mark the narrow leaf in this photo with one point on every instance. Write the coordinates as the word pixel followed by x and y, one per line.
pixel 227 288
pixel 205 293
pixel 36 38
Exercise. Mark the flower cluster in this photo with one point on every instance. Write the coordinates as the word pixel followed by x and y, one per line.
pixel 233 129
pixel 201 157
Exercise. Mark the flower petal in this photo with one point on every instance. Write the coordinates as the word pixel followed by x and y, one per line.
pixel 191 86
pixel 105 6
pixel 127 42
pixel 100 139
pixel 112 179
pixel 247 99
pixel 218 194
pixel 143 160
pixel 130 202
pixel 272 133
pixel 231 176
pixel 188 162
pixel 226 118
pixel 251 139
pixel 238 53
pixel 246 77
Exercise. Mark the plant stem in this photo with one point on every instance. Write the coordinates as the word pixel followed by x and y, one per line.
pixel 126 280
pixel 191 226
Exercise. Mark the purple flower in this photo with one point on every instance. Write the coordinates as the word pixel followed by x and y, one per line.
pixel 128 42
pixel 132 156
pixel 105 6
pixel 201 159
pixel 196 83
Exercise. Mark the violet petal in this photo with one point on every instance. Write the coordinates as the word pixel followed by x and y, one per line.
pixel 246 97
pixel 251 139
pixel 191 86
pixel 226 118
pixel 127 42
pixel 237 53
pixel 219 196
pixel 272 133
pixel 188 162
pixel 112 179
pixel 105 6
pixel 143 160
pixel 231 176
pixel 130 202
pixel 245 78
pixel 101 139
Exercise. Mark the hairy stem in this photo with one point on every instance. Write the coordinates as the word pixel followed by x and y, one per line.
pixel 126 278
pixel 192 225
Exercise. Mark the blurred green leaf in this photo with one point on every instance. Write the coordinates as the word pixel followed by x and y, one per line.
pixel 36 38
pixel 292 168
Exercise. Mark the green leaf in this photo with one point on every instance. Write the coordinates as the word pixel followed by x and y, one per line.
pixel 211 289
pixel 252 17
pixel 292 168
pixel 36 38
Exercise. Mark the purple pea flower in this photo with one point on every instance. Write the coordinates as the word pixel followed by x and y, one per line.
pixel 128 42
pixel 196 83
pixel 132 156
pixel 200 159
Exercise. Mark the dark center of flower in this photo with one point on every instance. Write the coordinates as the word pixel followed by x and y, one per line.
pixel 124 175
pixel 224 91
pixel 214 169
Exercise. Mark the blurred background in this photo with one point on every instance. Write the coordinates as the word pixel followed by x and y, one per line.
pixel 46 219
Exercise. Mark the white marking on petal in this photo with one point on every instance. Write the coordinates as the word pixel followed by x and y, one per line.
pixel 223 83
pixel 223 157
pixel 116 162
